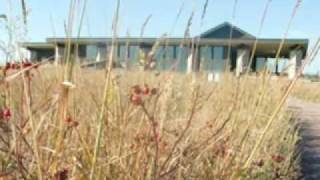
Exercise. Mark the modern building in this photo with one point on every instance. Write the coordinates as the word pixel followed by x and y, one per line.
pixel 224 47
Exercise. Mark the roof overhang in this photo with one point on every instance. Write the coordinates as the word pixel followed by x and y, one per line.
pixel 37 45
pixel 107 40
pixel 265 47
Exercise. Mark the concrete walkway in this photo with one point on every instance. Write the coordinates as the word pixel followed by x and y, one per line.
pixel 308 115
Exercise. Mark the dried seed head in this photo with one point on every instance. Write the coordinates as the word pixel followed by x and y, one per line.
pixel 136 90
pixel 259 163
pixel 154 91
pixel 146 90
pixel 5 114
pixel 277 158
pixel 69 119
pixel 62 174
pixel 136 99
pixel 71 122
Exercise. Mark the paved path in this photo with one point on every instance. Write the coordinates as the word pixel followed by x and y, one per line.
pixel 309 120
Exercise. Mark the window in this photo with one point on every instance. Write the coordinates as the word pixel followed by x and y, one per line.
pixel 82 51
pixel 159 55
pixel 206 58
pixel 102 49
pixel 217 53
pixel 170 52
pixel 133 52
pixel 182 56
pixel 175 52
pixel 205 53
pixel 260 63
pixel 182 53
pixel 123 52
pixel 91 52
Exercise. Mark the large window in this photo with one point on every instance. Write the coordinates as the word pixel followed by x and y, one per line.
pixel 160 53
pixel 218 53
pixel 170 52
pixel 212 58
pixel 123 52
pixel 133 52
pixel 206 58
pixel 205 53
pixel 182 56
pixel 91 52
pixel 260 63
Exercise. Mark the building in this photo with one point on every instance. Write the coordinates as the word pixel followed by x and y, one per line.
pixel 224 47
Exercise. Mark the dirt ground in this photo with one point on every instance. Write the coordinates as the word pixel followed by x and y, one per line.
pixel 308 115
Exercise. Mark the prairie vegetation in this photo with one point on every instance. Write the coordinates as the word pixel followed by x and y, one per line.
pixel 64 122
pixel 309 91
pixel 154 126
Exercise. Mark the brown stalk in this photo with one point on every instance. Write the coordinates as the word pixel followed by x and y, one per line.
pixel 182 135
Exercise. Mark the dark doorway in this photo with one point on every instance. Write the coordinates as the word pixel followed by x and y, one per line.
pixel 233 63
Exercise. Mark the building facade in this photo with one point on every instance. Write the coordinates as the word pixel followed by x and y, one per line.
pixel 225 47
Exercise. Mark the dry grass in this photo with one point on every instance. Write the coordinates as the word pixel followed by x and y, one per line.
pixel 308 91
pixel 71 123
pixel 186 128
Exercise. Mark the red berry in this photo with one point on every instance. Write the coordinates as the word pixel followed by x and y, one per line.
pixel 278 158
pixel 8 66
pixel 63 174
pixel 136 99
pixel 26 64
pixel 6 114
pixel 69 119
pixel 13 66
pixel 146 90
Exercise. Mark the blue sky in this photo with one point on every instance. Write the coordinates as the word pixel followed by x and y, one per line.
pixel 47 18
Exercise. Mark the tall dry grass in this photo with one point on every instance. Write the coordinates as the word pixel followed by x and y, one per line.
pixel 66 122
pixel 177 127
pixel 308 91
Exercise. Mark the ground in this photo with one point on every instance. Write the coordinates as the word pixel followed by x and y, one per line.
pixel 308 115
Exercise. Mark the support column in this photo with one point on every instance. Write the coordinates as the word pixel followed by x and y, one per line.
pixel 294 62
pixel 242 60
pixel 189 63
pixel 56 55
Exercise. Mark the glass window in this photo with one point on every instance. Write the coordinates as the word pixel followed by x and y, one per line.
pixel 169 52
pixel 160 53
pixel 175 49
pixel 91 52
pixel 205 53
pixel 82 51
pixel 101 51
pixel 123 52
pixel 206 58
pixel 272 63
pixel 182 56
pixel 133 52
pixel 218 56
pixel 218 53
pixel 260 63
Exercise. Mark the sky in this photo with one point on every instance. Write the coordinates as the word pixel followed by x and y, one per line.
pixel 47 18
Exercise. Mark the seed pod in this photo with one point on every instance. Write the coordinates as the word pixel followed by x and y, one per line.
pixel 146 90
pixel 136 100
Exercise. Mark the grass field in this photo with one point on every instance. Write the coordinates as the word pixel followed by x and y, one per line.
pixel 63 122
pixel 308 91
pixel 151 126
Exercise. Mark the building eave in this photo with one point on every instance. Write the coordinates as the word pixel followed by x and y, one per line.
pixel 37 45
